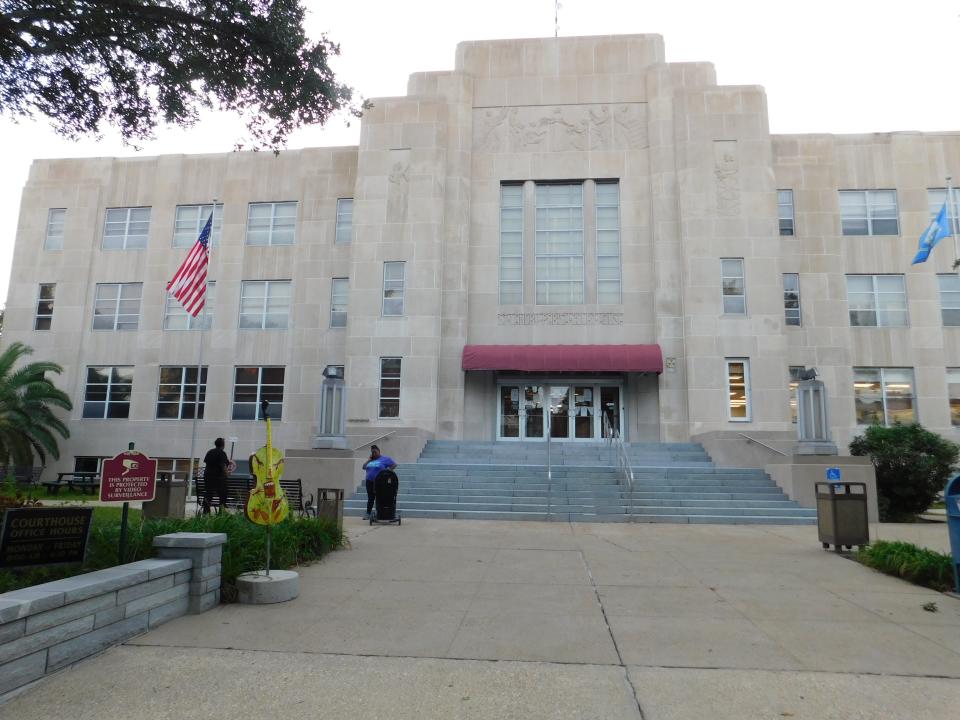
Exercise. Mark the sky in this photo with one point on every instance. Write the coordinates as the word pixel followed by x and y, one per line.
pixel 838 66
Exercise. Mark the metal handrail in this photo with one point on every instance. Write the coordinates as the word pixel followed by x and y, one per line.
pixel 612 434
pixel 371 442
pixel 758 442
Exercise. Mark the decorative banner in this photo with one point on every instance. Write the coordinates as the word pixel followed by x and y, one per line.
pixel 44 536
pixel 131 475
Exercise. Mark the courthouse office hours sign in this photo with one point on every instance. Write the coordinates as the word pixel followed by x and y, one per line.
pixel 131 475
pixel 44 536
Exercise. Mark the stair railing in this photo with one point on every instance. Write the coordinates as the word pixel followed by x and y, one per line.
pixel 612 435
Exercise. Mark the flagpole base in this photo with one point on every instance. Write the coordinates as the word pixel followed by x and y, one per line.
pixel 258 588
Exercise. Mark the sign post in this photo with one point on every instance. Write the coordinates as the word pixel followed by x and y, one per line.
pixel 131 475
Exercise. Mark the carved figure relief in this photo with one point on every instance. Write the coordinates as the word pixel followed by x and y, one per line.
pixel 398 188
pixel 727 175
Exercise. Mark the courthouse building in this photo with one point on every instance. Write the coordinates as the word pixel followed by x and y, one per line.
pixel 555 231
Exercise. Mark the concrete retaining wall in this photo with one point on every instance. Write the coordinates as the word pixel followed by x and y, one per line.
pixel 47 627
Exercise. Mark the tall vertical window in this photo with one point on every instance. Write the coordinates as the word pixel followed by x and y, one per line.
pixel 332 401
pixel 390 387
pixel 953 393
pixel 53 239
pixel 117 306
pixel 935 200
pixel 126 228
pixel 253 384
pixel 608 243
pixel 189 222
pixel 265 304
pixel 339 292
pixel 877 301
pixel 869 212
pixel 511 244
pixel 344 231
pixel 949 299
pixel 785 211
pixel 393 281
pixel 177 393
pixel 883 396
pixel 738 389
pixel 791 298
pixel 176 318
pixel 734 286
pixel 108 391
pixel 44 317
pixel 559 244
pixel 272 223
pixel 793 380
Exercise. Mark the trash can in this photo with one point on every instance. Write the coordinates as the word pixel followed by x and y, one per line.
pixel 329 505
pixel 951 500
pixel 842 514
pixel 170 499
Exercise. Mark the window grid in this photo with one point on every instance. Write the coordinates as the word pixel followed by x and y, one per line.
pixel 177 393
pixel 883 395
pixel 176 467
pixel 511 244
pixel 733 281
pixel 390 387
pixel 339 293
pixel 53 239
pixel 608 243
pixel 793 381
pixel 126 228
pixel 117 306
pixel 44 317
pixel 559 244
pixel 869 212
pixel 272 223
pixel 785 211
pixel 87 463
pixel 791 299
pixel 877 301
pixel 949 299
pixel 953 393
pixel 265 304
pixel 176 318
pixel 107 392
pixel 393 288
pixel 738 389
pixel 344 230
pixel 935 200
pixel 253 384
pixel 189 221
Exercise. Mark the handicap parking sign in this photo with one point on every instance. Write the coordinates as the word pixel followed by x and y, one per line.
pixel 833 474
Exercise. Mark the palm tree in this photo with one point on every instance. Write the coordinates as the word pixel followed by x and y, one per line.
pixel 28 425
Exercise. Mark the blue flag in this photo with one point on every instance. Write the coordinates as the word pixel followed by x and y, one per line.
pixel 937 230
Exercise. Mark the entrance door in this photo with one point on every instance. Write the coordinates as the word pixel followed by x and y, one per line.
pixel 559 412
pixel 521 412
pixel 571 412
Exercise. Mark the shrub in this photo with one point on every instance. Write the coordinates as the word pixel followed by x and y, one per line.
pixel 907 561
pixel 912 466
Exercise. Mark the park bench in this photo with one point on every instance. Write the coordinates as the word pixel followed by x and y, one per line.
pixel 294 492
pixel 238 489
pixel 88 482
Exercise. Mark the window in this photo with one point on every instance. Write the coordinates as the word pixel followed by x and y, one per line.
pixel 389 387
pixel 177 394
pixel 559 244
pixel 271 223
pixel 869 212
pixel 608 243
pixel 117 306
pixel 108 392
pixel 339 292
pixel 393 288
pixel 88 464
pixel 883 396
pixel 177 468
pixel 738 389
pixel 190 220
pixel 253 384
pixel 332 401
pixel 176 318
pixel 793 380
pixel 53 240
pixel 344 220
pixel 949 299
pixel 785 211
pixel 953 393
pixel 126 228
pixel 877 301
pixel 265 304
pixel 935 200
pixel 511 244
pixel 791 298
pixel 44 317
pixel 734 290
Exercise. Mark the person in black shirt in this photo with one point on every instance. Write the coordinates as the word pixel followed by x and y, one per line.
pixel 216 467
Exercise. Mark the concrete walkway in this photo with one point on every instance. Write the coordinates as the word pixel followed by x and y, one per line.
pixel 460 619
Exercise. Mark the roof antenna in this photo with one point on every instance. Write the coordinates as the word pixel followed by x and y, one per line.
pixel 556 17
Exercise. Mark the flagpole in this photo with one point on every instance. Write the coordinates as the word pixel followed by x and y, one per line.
pixel 952 205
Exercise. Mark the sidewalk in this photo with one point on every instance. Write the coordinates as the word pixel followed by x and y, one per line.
pixel 470 619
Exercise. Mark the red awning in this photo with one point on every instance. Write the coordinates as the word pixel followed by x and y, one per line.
pixel 564 358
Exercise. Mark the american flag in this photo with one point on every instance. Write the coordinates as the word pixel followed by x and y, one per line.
pixel 189 285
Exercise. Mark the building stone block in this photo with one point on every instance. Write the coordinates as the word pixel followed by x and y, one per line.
pixel 64 614
pixel 106 617
pixel 12 630
pixel 19 672
pixel 80 647
pixel 147 602
pixel 202 603
pixel 168 611
pixel 29 601
pixel 45 638
pixel 147 588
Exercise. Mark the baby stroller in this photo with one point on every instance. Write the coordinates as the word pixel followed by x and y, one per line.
pixel 385 486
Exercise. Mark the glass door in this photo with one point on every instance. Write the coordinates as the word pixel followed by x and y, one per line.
pixel 576 412
pixel 532 409
pixel 509 412
pixel 520 412
pixel 559 412
pixel 584 412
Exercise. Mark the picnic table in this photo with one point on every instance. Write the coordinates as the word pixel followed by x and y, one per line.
pixel 88 482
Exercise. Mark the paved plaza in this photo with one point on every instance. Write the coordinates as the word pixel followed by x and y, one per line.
pixel 473 619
